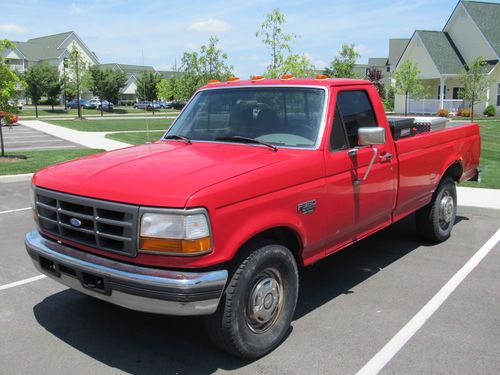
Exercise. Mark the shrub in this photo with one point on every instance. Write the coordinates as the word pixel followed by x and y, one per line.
pixel 443 113
pixel 490 111
pixel 463 112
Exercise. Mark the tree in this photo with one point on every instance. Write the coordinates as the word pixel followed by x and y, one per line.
pixel 299 66
pixel 342 65
pixel 53 85
pixel 76 75
pixel 196 69
pixel 475 83
pixel 146 86
pixel 8 86
pixel 407 81
pixel 375 76
pixel 279 42
pixel 106 83
pixel 37 78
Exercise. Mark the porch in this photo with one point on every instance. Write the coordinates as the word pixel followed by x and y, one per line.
pixel 431 106
pixel 439 93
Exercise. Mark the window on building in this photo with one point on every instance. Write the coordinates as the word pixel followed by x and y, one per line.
pixel 498 95
pixel 456 92
pixel 439 92
pixel 357 112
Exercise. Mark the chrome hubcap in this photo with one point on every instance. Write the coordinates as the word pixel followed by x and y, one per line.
pixel 446 208
pixel 265 301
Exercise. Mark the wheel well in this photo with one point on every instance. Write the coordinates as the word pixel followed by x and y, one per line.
pixel 454 171
pixel 284 236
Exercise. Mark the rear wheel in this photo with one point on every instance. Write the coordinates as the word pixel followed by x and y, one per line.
pixel 258 304
pixel 435 221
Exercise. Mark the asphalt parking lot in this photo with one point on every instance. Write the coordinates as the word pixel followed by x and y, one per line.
pixel 22 138
pixel 350 306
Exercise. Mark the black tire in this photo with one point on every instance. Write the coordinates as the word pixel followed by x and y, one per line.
pixel 267 278
pixel 435 221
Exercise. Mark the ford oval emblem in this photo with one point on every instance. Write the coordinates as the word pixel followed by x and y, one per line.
pixel 75 222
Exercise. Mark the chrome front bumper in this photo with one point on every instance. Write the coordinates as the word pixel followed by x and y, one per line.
pixel 138 288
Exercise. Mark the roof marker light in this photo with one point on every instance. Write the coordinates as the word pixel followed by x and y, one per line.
pixel 233 79
pixel 321 77
pixel 213 81
pixel 257 78
pixel 287 77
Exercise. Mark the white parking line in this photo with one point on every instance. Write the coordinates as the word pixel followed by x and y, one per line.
pixel 21 282
pixel 378 362
pixel 16 210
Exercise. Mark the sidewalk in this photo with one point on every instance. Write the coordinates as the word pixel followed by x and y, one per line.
pixel 87 139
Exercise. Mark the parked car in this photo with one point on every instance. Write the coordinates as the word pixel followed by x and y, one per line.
pixel 179 104
pixel 87 104
pixel 107 106
pixel 95 102
pixel 16 103
pixel 255 193
pixel 165 105
pixel 147 105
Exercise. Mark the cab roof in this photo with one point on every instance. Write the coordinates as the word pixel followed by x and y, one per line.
pixel 328 82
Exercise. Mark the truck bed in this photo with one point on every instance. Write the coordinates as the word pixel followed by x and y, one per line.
pixel 422 162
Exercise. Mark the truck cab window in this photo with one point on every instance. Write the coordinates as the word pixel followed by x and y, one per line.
pixel 357 112
pixel 338 139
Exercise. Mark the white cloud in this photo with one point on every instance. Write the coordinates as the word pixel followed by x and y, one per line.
pixel 12 28
pixel 363 50
pixel 75 9
pixel 320 64
pixel 211 25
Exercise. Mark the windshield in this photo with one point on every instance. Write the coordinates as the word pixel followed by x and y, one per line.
pixel 281 116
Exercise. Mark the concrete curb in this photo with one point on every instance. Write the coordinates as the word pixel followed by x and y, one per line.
pixel 15 178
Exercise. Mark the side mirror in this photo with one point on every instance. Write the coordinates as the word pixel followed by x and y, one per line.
pixel 371 136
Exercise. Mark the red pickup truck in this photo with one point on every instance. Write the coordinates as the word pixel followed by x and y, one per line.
pixel 253 180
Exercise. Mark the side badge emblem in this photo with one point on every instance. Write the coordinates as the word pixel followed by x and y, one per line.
pixel 307 207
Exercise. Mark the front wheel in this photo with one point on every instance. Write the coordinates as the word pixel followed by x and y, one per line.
pixel 258 304
pixel 435 221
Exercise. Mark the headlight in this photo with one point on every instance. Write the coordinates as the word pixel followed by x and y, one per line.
pixel 175 234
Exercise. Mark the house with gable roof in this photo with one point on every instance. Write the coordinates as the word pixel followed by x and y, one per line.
pixel 51 49
pixel 472 30
pixel 128 93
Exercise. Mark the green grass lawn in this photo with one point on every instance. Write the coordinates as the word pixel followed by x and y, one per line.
pixel 108 125
pixel 490 155
pixel 36 160
pixel 136 138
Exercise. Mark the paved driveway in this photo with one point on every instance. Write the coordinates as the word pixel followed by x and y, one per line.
pixel 350 306
pixel 19 138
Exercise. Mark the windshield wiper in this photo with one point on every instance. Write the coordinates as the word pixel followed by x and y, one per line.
pixel 239 138
pixel 179 137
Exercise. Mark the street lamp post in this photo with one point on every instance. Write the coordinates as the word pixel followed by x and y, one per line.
pixel 65 65
pixel 78 85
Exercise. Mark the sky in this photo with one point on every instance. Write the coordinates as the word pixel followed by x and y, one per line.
pixel 160 32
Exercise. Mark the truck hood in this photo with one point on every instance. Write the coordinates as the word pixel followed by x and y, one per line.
pixel 163 174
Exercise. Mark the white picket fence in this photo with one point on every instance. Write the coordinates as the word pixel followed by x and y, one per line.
pixel 431 106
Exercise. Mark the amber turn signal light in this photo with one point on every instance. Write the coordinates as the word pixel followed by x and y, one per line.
pixel 321 77
pixel 257 78
pixel 213 81
pixel 287 76
pixel 233 79
pixel 174 246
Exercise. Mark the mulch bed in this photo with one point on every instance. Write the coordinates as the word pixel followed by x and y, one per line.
pixel 11 158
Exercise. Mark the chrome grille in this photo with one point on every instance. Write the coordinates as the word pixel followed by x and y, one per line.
pixel 100 224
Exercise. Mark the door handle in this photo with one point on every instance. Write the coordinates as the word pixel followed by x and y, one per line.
pixel 385 156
